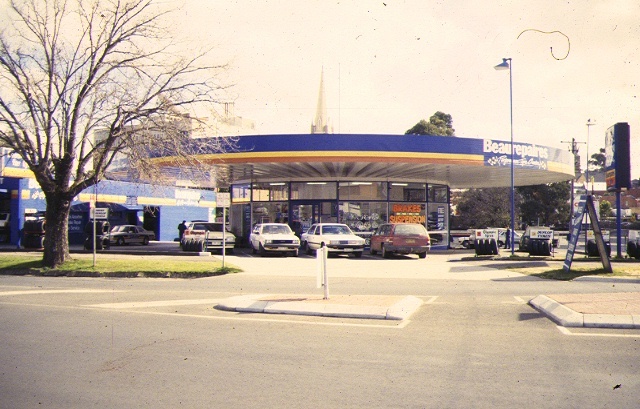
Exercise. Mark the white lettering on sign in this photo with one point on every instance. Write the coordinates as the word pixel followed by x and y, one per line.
pixel 521 150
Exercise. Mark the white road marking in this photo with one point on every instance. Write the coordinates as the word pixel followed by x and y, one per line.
pixel 149 304
pixel 70 291
pixel 400 325
pixel 566 331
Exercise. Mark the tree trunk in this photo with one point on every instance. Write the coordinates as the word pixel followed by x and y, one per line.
pixel 56 239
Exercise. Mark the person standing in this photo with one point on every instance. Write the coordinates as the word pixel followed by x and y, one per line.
pixel 181 228
pixel 507 244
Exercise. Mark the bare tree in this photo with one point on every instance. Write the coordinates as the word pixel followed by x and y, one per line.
pixel 70 68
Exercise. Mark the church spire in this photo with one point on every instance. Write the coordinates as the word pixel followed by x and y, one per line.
pixel 321 123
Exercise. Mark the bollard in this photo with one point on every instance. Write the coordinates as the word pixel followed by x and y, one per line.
pixel 322 278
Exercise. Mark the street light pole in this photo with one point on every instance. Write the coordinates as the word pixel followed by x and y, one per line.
pixel 506 65
pixel 589 125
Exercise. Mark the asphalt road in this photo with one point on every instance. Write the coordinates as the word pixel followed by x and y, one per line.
pixel 159 343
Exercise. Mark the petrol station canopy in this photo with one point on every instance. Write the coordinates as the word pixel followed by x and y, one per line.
pixel 454 161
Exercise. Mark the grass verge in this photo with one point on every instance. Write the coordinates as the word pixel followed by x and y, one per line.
pixel 114 266
pixel 556 272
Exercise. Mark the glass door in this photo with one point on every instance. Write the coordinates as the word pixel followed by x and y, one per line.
pixel 304 214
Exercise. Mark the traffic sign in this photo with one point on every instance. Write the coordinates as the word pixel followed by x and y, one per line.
pixel 223 199
pixel 99 213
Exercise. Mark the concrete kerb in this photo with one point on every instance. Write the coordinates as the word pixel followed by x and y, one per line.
pixel 558 312
pixel 257 304
pixel 570 318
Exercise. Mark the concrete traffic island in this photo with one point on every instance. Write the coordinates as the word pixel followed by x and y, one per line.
pixel 379 307
pixel 602 310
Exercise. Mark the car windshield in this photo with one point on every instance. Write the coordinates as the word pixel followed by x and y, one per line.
pixel 116 229
pixel 408 229
pixel 208 226
pixel 335 230
pixel 276 230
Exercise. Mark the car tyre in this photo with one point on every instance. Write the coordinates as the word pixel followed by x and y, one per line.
pixel 494 246
pixel 307 249
pixel 145 241
pixel 546 251
pixel 120 241
pixel 384 252
pixel 261 250
pixel 357 254
pixel 422 255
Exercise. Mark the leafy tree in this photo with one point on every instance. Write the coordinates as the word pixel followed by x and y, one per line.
pixel 481 208
pixel 440 124
pixel 605 208
pixel 547 205
pixel 68 69
pixel 597 161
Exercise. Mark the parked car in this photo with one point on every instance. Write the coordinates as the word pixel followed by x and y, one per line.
pixel 401 238
pixel 337 237
pixel 273 238
pixel 128 233
pixel 207 235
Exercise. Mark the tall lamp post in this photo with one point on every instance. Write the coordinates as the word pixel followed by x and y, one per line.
pixel 506 65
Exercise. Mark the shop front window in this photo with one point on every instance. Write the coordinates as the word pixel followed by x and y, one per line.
pixel 407 192
pixel 270 192
pixel 363 217
pixel 438 193
pixel 353 191
pixel 270 212
pixel 408 213
pixel 438 222
pixel 241 193
pixel 313 190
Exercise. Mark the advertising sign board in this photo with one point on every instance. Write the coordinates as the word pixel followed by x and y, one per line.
pixel 585 206
pixel 617 157
pixel 541 233
pixel 487 234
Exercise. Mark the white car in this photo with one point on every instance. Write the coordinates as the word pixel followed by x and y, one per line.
pixel 337 237
pixel 273 238
pixel 207 236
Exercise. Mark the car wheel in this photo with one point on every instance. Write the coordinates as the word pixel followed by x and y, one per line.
pixel 307 249
pixel 422 255
pixel 145 241
pixel 385 253
pixel 253 250
pixel 120 241
pixel 294 253
pixel 357 254
pixel 261 250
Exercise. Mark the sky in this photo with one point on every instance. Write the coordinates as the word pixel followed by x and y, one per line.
pixel 388 64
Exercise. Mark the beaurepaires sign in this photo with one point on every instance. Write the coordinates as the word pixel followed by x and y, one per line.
pixel 525 155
